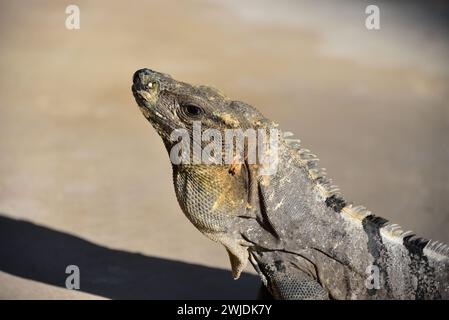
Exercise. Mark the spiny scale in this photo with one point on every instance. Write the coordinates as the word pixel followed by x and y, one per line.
pixel 318 175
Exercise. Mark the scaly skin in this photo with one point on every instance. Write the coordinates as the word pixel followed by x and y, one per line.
pixel 301 236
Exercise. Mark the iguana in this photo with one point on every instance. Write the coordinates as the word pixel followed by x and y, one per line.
pixel 302 237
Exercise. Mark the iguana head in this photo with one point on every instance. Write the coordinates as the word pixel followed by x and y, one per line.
pixel 169 104
pixel 212 196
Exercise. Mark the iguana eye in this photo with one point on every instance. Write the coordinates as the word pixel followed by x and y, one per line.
pixel 192 110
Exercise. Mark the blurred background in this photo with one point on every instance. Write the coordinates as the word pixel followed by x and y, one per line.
pixel 85 180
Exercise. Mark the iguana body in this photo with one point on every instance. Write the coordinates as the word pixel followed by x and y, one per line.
pixel 301 236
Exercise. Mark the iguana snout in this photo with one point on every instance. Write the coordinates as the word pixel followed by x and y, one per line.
pixel 145 76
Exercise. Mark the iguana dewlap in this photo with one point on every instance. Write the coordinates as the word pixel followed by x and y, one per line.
pixel 301 236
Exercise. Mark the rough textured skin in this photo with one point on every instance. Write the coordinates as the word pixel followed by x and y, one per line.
pixel 301 236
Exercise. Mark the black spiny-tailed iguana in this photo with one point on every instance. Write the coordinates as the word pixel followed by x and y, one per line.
pixel 304 240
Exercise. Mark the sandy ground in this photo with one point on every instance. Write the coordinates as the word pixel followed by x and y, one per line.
pixel 85 180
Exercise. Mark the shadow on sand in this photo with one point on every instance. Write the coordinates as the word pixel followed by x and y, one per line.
pixel 35 252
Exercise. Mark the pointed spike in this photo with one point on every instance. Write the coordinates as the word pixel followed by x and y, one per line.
pixel 394 227
pixel 433 245
pixel 407 233
pixel 430 245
